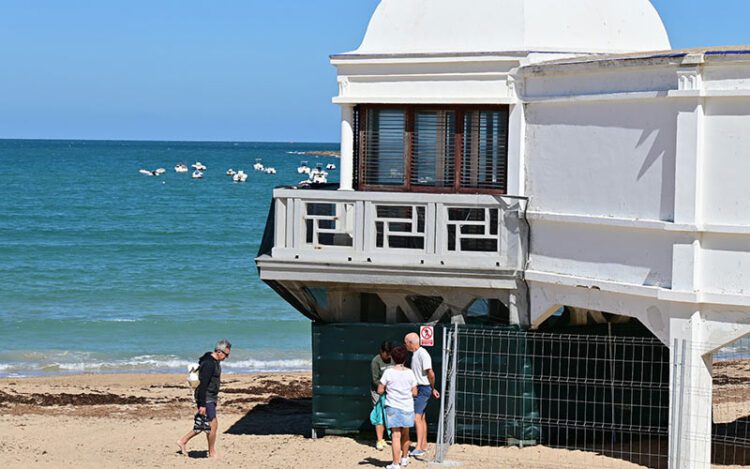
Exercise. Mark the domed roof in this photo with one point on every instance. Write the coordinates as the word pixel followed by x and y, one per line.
pixel 435 26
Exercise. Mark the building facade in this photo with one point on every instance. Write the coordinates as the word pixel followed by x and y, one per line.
pixel 514 159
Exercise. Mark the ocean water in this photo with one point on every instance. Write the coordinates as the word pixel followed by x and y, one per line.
pixel 103 269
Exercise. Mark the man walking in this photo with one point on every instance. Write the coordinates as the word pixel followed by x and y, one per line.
pixel 421 366
pixel 207 394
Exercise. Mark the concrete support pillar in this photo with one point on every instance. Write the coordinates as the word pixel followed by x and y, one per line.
pixel 691 389
pixel 692 343
pixel 347 148
pixel 518 306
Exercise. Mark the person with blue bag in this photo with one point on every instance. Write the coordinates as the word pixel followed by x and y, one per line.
pixel 378 365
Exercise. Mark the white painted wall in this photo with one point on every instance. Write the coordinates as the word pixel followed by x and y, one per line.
pixel 608 159
pixel 632 256
pixel 726 170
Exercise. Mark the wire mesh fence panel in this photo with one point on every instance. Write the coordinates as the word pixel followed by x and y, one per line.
pixel 730 432
pixel 564 400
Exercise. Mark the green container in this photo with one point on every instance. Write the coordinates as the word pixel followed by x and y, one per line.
pixel 341 373
pixel 341 382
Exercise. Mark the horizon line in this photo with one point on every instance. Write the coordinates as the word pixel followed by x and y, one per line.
pixel 160 141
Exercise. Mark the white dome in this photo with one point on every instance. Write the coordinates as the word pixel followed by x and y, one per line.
pixel 435 26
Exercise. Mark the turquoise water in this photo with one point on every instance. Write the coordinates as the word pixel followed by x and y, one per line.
pixel 103 269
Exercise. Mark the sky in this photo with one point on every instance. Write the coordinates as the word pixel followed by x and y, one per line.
pixel 223 70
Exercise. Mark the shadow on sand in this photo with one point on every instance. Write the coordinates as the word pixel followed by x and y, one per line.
pixel 279 416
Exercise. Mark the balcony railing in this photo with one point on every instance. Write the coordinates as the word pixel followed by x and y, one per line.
pixel 400 229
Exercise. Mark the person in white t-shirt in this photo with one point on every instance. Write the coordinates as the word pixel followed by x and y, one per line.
pixel 400 386
pixel 421 365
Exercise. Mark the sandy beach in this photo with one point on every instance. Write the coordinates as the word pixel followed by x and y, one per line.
pixel 88 421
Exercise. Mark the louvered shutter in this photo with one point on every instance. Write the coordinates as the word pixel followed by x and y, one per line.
pixel 485 150
pixel 383 147
pixel 433 149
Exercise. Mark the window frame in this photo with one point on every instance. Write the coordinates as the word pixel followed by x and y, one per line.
pixel 458 132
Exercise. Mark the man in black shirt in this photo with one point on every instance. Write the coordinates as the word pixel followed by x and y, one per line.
pixel 207 394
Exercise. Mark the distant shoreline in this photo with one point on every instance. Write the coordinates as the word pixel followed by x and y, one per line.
pixel 335 154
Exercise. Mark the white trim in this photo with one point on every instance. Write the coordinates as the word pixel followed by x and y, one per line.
pixel 592 284
pixel 663 294
pixel 369 274
pixel 654 225
pixel 421 100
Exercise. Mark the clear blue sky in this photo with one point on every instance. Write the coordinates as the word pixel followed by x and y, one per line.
pixel 239 70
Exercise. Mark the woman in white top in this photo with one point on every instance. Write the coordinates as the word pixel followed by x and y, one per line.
pixel 400 387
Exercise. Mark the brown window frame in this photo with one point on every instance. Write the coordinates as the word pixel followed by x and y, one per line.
pixel 409 112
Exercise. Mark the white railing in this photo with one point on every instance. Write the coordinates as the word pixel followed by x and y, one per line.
pixel 396 228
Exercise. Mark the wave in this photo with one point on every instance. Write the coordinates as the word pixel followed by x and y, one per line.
pixel 144 364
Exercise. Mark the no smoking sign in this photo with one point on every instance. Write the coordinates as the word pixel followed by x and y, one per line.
pixel 426 336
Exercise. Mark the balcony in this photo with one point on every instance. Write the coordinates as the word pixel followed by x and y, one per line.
pixel 396 238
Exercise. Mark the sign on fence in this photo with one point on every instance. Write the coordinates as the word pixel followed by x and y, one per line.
pixel 426 336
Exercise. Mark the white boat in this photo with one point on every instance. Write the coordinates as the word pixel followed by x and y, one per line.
pixel 180 168
pixel 330 166
pixel 231 172
pixel 258 166
pixel 240 176
pixel 146 172
pixel 303 168
pixel 198 166
pixel 197 174
pixel 318 176
pixel 159 171
pixel 270 170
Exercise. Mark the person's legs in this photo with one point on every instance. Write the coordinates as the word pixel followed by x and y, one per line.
pixel 395 446
pixel 421 427
pixel 404 442
pixel 420 422
pixel 182 442
pixel 379 431
pixel 423 441
pixel 212 438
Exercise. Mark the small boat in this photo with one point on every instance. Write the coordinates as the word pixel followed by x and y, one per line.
pixel 231 172
pixel 180 168
pixel 159 171
pixel 258 166
pixel 146 172
pixel 270 170
pixel 318 176
pixel 197 174
pixel 198 166
pixel 240 176
pixel 330 166
pixel 303 168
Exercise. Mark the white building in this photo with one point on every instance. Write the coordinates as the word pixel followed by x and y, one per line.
pixel 534 154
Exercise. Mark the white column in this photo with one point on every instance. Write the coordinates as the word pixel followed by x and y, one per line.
pixel 688 165
pixel 690 390
pixel 516 138
pixel 347 148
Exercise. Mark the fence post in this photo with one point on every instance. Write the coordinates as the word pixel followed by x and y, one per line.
pixel 452 401
pixel 440 453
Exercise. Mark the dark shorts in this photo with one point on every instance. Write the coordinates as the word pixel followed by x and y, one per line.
pixel 210 411
pixel 423 396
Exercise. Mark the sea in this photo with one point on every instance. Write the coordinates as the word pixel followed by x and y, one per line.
pixel 106 270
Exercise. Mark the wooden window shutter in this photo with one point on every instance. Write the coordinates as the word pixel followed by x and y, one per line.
pixel 383 161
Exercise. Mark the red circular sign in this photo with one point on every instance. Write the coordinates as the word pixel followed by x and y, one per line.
pixel 427 333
